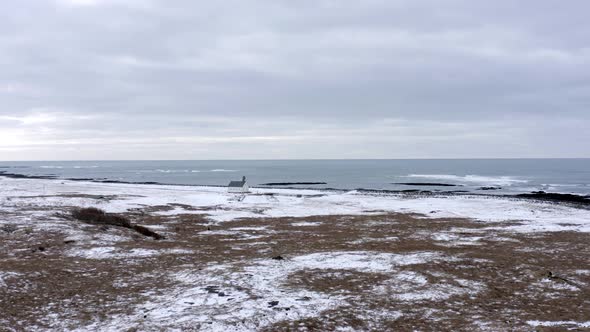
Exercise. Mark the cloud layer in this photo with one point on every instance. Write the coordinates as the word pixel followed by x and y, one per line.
pixel 142 79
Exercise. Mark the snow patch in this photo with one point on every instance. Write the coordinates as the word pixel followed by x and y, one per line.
pixel 456 239
pixel 243 296
pixel 558 323
pixel 306 224
pixel 413 286
pixel 219 206
pixel 5 276
pixel 119 253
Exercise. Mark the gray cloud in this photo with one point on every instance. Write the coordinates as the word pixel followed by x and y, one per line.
pixel 114 79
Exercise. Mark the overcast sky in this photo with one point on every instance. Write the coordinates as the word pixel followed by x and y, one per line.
pixel 273 79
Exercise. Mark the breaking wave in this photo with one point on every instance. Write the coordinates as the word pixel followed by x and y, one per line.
pixel 478 179
pixel 74 166
pixel 172 171
pixel 190 170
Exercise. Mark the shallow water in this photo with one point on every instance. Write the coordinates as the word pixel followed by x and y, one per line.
pixel 511 175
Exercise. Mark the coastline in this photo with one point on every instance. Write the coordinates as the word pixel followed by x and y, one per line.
pixel 552 197
pixel 279 259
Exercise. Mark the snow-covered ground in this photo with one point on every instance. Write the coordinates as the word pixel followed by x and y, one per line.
pixel 250 291
pixel 221 206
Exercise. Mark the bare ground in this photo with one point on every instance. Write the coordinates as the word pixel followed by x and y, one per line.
pixel 489 279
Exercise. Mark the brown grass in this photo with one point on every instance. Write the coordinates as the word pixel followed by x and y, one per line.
pixel 512 267
pixel 97 216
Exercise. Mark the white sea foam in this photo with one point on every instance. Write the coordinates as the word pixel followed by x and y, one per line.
pixel 49 166
pixel 73 166
pixel 496 180
pixel 190 170
pixel 172 170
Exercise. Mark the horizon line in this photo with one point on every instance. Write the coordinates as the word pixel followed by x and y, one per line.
pixel 305 159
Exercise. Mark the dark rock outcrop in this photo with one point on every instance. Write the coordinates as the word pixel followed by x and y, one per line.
pixel 427 184
pixel 292 183
pixel 490 188
pixel 555 197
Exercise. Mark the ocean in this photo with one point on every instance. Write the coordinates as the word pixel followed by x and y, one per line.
pixel 498 176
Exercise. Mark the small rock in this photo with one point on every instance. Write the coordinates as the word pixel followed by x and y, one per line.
pixel 273 304
pixel 212 289
pixel 490 188
pixel 9 228
pixel 278 258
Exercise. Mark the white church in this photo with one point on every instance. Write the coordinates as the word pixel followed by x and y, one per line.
pixel 238 186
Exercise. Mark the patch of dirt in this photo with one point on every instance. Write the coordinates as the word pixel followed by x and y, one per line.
pixel 517 277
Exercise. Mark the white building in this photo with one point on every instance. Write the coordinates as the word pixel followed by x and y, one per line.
pixel 238 186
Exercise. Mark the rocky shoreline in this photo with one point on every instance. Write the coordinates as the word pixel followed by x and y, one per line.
pixel 583 200
pixel 292 183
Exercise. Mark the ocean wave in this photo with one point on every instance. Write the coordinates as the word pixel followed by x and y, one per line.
pixel 173 170
pixel 74 166
pixel 190 170
pixel 562 185
pixel 479 179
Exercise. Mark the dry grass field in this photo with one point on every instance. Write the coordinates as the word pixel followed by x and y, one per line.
pixel 383 271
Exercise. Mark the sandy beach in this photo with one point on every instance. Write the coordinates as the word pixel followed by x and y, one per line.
pixel 279 259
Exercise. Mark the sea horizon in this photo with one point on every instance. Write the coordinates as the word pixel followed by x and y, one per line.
pixel 502 176
pixel 279 159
